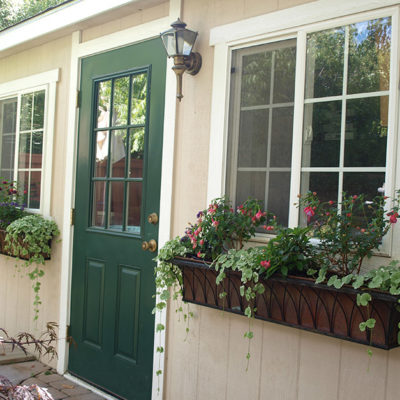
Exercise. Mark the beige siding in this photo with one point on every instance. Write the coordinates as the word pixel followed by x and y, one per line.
pixel 286 363
pixel 16 293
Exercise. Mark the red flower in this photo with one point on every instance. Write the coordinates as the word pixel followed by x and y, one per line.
pixel 348 215
pixel 199 254
pixel 266 264
pixel 331 202
pixel 309 211
pixel 355 197
pixel 201 242
pixel 393 217
pixel 268 228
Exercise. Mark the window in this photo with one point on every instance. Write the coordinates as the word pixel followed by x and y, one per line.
pixel 344 115
pixel 21 140
pixel 27 108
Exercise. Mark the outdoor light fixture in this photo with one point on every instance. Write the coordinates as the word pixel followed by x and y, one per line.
pixel 178 42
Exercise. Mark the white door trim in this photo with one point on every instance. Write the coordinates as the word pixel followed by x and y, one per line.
pixel 80 50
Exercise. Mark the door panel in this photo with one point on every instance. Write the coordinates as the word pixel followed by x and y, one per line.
pixel 117 187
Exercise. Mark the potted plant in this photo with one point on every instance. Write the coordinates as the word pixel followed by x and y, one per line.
pixel 314 285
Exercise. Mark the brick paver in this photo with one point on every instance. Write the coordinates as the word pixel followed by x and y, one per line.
pixel 36 373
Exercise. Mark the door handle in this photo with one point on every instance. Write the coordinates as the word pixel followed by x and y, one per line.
pixel 152 218
pixel 151 245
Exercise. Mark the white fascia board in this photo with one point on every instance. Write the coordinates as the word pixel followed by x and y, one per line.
pixel 293 17
pixel 54 20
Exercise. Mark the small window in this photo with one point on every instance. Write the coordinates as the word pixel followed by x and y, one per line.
pixel 22 129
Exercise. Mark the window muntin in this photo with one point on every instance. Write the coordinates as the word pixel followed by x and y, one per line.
pixel 345 115
pixel 22 132
pixel 261 125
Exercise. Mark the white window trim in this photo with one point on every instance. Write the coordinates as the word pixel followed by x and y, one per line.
pixel 43 81
pixel 281 25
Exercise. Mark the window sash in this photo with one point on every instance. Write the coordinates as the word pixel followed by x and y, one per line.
pixel 300 101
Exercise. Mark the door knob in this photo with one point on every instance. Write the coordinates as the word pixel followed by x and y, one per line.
pixel 153 218
pixel 151 245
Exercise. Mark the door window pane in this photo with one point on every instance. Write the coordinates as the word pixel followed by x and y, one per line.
pixel 116 205
pixel 103 104
pixel 136 152
pixel 99 204
pixel 138 100
pixel 118 152
pixel 134 206
pixel 101 158
pixel 120 101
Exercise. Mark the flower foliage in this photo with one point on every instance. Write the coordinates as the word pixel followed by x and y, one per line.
pixel 11 203
pixel 220 227
pixel 349 232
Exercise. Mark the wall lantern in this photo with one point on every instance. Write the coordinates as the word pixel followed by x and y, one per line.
pixel 178 42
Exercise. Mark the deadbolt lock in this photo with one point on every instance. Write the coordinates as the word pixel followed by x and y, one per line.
pixel 153 218
pixel 151 245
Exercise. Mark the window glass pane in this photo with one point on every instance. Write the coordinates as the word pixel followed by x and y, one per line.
pixel 366 132
pixel 250 184
pixel 281 137
pixel 134 206
pixel 8 120
pixel 116 205
pixel 324 66
pixel 369 56
pixel 253 138
pixel 34 192
pixel 325 184
pixel 256 79
pixel 369 183
pixel 118 153
pixel 38 112
pixel 23 182
pixel 138 101
pixel 136 152
pixel 278 196
pixel 26 112
pixel 103 104
pixel 24 150
pixel 321 134
pixel 37 149
pixel 101 160
pixel 99 204
pixel 284 71
pixel 120 101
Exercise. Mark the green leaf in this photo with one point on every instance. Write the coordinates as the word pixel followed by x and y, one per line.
pixel 284 270
pixel 362 326
pixel 370 323
pixel 358 282
pixel 363 299
pixel 160 327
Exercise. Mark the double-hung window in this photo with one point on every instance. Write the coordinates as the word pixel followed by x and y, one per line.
pixel 318 120
pixel 26 124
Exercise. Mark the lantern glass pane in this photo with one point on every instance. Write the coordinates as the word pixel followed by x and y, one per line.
pixel 168 39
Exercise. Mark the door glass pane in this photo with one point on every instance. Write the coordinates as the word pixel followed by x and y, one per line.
pixel 37 149
pixel 253 138
pixel 120 101
pixel 366 132
pixel 103 104
pixel 38 110
pixel 256 79
pixel 101 160
pixel 138 100
pixel 369 56
pixel 118 153
pixel 136 153
pixel 324 67
pixel 325 184
pixel 24 150
pixel 134 206
pixel 26 112
pixel 116 205
pixel 321 135
pixel 99 204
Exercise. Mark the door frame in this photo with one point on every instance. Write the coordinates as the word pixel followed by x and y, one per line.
pixel 80 50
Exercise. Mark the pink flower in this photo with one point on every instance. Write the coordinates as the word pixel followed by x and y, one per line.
pixel 309 211
pixel 214 222
pixel 254 219
pixel 199 254
pixel 266 264
pixel 201 242
pixel 260 214
pixel 355 197
pixel 362 230
pixel 268 228
pixel 393 217
pixel 327 214
pixel 331 202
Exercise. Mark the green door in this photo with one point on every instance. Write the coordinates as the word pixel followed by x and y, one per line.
pixel 117 188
